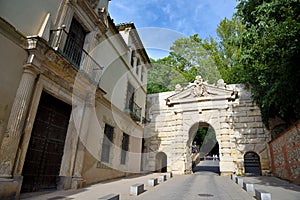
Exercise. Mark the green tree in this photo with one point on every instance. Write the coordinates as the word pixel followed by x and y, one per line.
pixel 163 76
pixel 270 56
pixel 187 59
pixel 193 59
pixel 225 50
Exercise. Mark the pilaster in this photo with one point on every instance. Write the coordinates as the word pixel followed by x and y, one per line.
pixel 82 130
pixel 16 120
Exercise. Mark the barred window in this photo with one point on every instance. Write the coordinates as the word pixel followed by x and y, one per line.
pixel 129 97
pixel 125 147
pixel 74 44
pixel 107 142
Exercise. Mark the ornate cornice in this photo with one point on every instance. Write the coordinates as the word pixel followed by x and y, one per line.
pixel 56 67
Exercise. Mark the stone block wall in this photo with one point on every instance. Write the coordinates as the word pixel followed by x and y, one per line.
pixel 237 125
pixel 250 134
pixel 285 154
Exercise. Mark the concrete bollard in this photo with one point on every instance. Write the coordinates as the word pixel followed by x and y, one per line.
pixel 233 177
pixel 136 189
pixel 169 175
pixel 110 197
pixel 239 181
pixel 152 182
pixel 162 178
pixel 262 195
pixel 248 187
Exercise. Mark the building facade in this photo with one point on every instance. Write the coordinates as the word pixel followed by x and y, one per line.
pixel 74 92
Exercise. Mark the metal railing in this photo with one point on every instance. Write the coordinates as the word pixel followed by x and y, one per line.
pixel 135 111
pixel 68 47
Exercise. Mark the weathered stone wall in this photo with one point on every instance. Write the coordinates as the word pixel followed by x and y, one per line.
pixel 285 153
pixel 236 122
pixel 250 134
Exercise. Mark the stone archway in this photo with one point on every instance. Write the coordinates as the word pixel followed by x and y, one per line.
pixel 228 109
pixel 161 162
pixel 252 164
pixel 209 140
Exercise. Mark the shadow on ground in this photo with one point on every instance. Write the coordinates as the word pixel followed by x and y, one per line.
pixel 207 166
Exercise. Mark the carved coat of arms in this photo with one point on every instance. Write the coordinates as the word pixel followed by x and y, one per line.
pixel 199 89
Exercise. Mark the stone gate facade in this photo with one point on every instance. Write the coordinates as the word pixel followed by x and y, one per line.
pixel 176 116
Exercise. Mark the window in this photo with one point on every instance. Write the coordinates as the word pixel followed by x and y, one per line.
pixel 137 66
pixel 129 97
pixel 132 58
pixel 74 43
pixel 131 107
pixel 107 142
pixel 142 75
pixel 125 145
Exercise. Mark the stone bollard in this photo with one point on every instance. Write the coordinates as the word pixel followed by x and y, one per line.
pixel 248 187
pixel 152 182
pixel 110 197
pixel 262 195
pixel 239 181
pixel 233 177
pixel 162 178
pixel 136 189
pixel 169 175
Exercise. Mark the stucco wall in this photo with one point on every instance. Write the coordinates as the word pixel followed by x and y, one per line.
pixel 12 59
pixel 285 153
pixel 28 15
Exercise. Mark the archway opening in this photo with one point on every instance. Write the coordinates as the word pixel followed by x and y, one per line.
pixel 161 162
pixel 252 164
pixel 204 148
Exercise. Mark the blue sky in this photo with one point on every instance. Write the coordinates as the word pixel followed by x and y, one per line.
pixel 160 22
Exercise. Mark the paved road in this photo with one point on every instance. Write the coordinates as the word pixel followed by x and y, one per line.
pixel 200 185
pixel 205 183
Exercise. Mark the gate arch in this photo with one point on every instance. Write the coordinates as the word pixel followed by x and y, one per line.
pixel 228 109
pixel 209 141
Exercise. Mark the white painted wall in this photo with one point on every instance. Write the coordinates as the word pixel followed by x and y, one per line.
pixel 12 58
pixel 27 16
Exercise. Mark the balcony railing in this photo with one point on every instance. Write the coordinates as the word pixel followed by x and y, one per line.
pixel 67 46
pixel 135 111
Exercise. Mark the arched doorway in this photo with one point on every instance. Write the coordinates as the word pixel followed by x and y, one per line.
pixel 206 157
pixel 252 164
pixel 161 162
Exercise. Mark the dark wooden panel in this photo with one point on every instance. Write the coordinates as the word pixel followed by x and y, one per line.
pixel 45 150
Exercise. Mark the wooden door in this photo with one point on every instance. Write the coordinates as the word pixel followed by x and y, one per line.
pixel 46 146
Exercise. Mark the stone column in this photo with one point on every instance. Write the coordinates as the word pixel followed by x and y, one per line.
pixel 16 121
